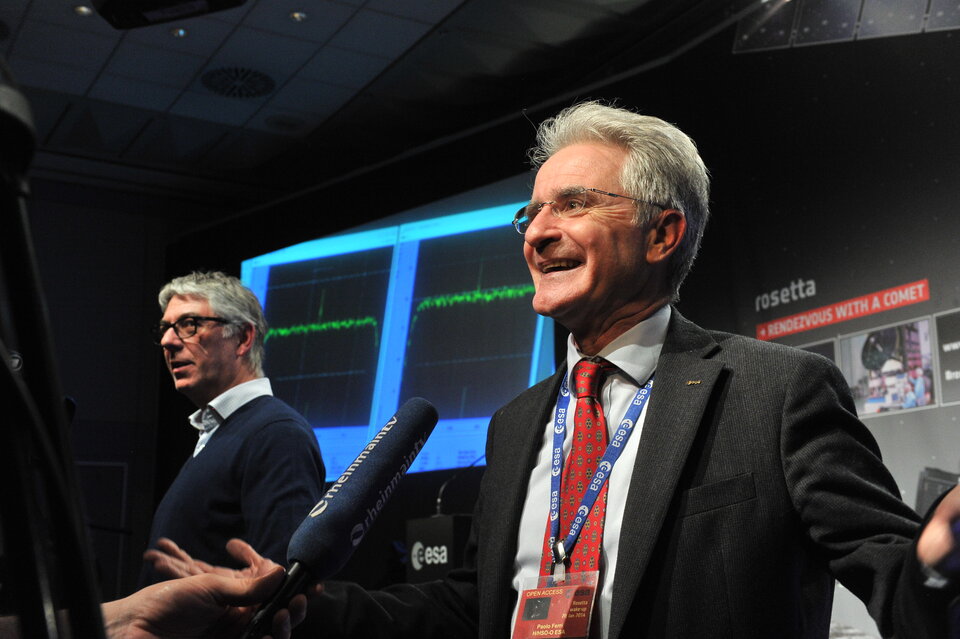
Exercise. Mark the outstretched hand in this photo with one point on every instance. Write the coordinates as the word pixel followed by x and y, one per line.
pixel 207 600
pixel 201 605
pixel 937 546
pixel 172 561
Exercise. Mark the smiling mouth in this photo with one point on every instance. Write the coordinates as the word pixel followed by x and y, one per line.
pixel 559 265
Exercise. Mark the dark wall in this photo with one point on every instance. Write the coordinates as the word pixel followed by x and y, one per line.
pixel 101 254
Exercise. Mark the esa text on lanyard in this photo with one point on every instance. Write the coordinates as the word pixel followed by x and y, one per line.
pixel 562 549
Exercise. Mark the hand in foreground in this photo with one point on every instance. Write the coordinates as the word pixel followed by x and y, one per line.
pixel 172 561
pixel 937 547
pixel 202 605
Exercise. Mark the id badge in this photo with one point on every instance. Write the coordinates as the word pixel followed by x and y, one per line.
pixel 550 608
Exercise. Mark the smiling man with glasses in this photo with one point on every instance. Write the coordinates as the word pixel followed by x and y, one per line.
pixel 256 470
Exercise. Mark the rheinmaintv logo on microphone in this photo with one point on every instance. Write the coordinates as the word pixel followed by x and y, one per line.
pixel 360 529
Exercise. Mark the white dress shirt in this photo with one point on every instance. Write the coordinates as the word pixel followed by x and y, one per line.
pixel 208 419
pixel 635 353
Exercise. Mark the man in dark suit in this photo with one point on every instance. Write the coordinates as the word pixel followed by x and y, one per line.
pixel 747 485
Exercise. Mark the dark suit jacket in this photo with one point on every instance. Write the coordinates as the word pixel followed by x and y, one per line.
pixel 754 486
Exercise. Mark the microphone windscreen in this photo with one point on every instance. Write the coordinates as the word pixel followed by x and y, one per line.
pixel 339 521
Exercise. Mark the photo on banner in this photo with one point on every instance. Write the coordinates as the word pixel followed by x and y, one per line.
pixel 890 368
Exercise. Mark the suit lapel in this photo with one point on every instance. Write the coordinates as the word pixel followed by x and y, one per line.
pixel 681 390
pixel 517 444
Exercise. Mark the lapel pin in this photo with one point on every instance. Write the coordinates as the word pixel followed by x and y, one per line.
pixel 693 382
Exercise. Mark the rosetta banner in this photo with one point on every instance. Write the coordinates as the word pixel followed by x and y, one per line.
pixel 878 302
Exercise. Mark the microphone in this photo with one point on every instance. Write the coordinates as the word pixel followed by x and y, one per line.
pixel 335 526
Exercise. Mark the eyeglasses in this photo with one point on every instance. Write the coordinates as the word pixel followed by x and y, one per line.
pixel 570 203
pixel 184 327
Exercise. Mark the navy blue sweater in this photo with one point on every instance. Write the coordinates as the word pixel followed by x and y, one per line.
pixel 257 478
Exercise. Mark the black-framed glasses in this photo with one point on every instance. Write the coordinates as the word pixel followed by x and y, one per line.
pixel 186 326
pixel 571 203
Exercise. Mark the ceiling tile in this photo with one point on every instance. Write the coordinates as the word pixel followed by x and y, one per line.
pixel 467 53
pixel 150 64
pixel 232 111
pixel 11 14
pixel 54 43
pixel 104 128
pixel 270 53
pixel 47 108
pixel 237 14
pixel 891 17
pixel 380 34
pixel 323 19
pixel 530 23
pixel 307 96
pixel 62 12
pixel 247 151
pixel 283 122
pixel 145 95
pixel 351 69
pixel 204 36
pixel 943 14
pixel 54 76
pixel 176 140
pixel 432 11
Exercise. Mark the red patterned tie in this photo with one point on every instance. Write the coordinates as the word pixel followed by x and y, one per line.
pixel 589 444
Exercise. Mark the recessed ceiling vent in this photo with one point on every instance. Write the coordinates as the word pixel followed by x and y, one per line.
pixel 238 82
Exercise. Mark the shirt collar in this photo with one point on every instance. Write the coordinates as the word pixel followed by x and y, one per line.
pixel 227 402
pixel 635 352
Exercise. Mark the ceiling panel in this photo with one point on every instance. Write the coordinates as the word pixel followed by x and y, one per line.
pixel 152 64
pixel 63 13
pixel 203 36
pixel 350 69
pixel 215 108
pixel 432 11
pixel 48 108
pixel 245 152
pixel 60 44
pixel 286 122
pixel 100 128
pixel 380 34
pixel 308 96
pixel 263 51
pixel 356 83
pixel 136 93
pixel 52 76
pixel 323 19
pixel 185 142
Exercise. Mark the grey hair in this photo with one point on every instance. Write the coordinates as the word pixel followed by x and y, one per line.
pixel 229 299
pixel 662 167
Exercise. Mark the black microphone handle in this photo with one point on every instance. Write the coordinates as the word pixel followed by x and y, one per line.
pixel 293 584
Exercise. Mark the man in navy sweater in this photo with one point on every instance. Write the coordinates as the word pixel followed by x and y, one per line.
pixel 256 470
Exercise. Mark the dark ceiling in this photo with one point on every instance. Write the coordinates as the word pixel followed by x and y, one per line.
pixel 259 103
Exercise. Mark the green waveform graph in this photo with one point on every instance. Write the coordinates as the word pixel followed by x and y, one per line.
pixel 484 296
pixel 323 327
pixel 476 296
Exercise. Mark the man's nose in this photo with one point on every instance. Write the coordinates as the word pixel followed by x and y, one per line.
pixel 543 227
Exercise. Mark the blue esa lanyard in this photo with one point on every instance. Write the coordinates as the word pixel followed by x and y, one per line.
pixel 610 456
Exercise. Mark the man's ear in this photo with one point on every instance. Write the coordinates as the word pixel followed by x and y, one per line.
pixel 664 234
pixel 245 334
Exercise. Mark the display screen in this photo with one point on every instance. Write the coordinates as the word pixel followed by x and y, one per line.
pixel 439 309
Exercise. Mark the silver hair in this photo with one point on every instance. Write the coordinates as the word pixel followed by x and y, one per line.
pixel 229 299
pixel 662 166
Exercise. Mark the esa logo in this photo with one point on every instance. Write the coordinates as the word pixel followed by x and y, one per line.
pixel 421 555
